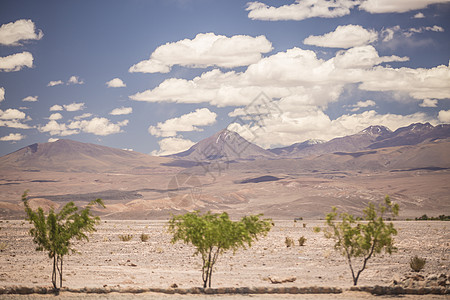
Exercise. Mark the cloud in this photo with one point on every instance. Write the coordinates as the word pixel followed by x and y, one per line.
pixel 115 83
pixel 420 83
pixel 388 6
pixel 172 145
pixel 305 9
pixel 12 113
pixel 444 116
pixel 12 137
pixel 2 94
pixel 206 49
pixel 83 116
pixel 55 128
pixel 75 80
pixel 184 123
pixel 55 116
pixel 56 82
pixel 16 62
pixel 74 106
pixel 296 73
pixel 362 104
pixel 429 103
pixel 21 30
pixel 97 126
pixel 52 140
pixel 419 15
pixel 30 99
pixel 13 118
pixel 286 128
pixel 56 107
pixel 346 36
pixel 121 111
pixel 300 10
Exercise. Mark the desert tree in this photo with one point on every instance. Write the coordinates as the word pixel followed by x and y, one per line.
pixel 213 234
pixel 53 232
pixel 362 237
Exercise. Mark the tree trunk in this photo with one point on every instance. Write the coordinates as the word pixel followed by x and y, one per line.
pixel 54 274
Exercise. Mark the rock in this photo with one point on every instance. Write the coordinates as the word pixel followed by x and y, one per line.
pixel 276 280
pixel 174 286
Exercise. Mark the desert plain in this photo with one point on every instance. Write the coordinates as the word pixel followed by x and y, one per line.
pixel 107 261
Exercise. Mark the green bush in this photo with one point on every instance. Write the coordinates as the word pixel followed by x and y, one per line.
pixel 354 238
pixel 53 232
pixel 301 241
pixel 289 242
pixel 417 263
pixel 144 237
pixel 213 234
pixel 125 237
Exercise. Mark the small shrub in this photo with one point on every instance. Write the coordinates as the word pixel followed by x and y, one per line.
pixel 301 241
pixel 125 237
pixel 304 225
pixel 3 246
pixel 289 242
pixel 144 237
pixel 417 263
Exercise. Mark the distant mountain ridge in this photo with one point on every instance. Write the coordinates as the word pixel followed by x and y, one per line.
pixel 225 144
pixel 68 155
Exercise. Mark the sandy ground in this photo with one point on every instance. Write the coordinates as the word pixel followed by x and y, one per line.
pixel 108 261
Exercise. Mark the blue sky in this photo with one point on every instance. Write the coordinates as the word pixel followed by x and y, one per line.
pixel 158 76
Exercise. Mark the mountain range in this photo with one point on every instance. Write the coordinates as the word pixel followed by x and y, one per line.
pixel 227 172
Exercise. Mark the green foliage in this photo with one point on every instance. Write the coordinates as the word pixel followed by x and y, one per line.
pixel 212 234
pixel 125 237
pixel 417 263
pixel 144 237
pixel 439 218
pixel 301 241
pixel 289 242
pixel 354 238
pixel 53 232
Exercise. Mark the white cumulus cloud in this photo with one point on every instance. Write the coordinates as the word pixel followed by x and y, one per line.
pixel 55 116
pixel 75 80
pixel 99 126
pixel 12 137
pixel 172 145
pixel 115 83
pixel 83 116
pixel 11 113
pixel 300 10
pixel 55 82
pixel 16 62
pixel 346 36
pixel 21 30
pixel 429 103
pixel 444 116
pixel 399 6
pixel 121 111
pixel 2 94
pixel 206 49
pixel 56 107
pixel 362 104
pixel 30 99
pixel 419 15
pixel 74 106
pixel 184 123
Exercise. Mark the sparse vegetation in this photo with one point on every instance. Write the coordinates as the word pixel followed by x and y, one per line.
pixel 125 237
pixel 144 237
pixel 301 241
pixel 289 242
pixel 53 232
pixel 3 246
pixel 362 239
pixel 439 218
pixel 213 234
pixel 417 263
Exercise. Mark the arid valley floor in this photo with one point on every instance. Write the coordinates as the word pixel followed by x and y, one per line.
pixel 106 261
